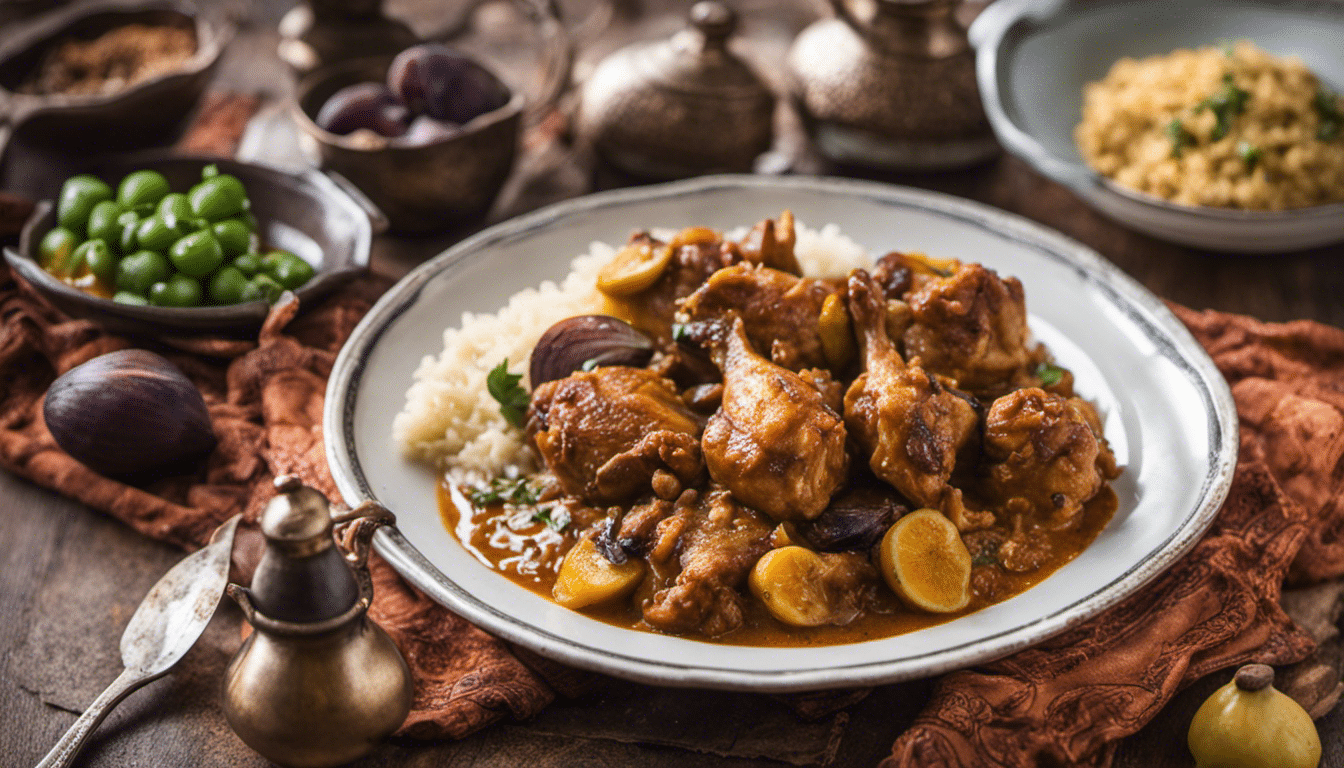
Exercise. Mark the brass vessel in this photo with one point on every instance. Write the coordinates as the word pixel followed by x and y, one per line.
pixel 679 107
pixel 891 86
pixel 316 683
pixel 320 32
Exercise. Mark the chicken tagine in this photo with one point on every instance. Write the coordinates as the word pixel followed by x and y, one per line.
pixel 735 451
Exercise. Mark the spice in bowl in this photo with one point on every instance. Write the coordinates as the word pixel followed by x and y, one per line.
pixel 112 62
pixel 144 244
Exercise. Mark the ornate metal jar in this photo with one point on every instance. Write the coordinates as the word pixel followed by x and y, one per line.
pixel 317 683
pixel 679 107
pixel 892 87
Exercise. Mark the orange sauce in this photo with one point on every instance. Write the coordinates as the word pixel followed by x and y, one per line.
pixel 528 551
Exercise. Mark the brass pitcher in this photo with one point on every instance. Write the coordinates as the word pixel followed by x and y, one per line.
pixel 891 87
pixel 316 683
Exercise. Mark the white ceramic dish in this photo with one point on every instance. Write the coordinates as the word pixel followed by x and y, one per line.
pixel 1169 416
pixel 1033 58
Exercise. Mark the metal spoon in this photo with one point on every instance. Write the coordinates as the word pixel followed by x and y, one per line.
pixel 166 625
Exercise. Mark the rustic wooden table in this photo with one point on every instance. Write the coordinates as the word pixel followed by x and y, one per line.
pixel 70 578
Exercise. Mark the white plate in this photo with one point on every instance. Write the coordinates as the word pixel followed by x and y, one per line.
pixel 1168 414
pixel 1033 58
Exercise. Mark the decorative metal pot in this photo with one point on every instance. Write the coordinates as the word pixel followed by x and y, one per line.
pixel 679 107
pixel 317 683
pixel 891 88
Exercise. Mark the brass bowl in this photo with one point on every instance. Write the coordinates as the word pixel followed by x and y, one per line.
pixel 305 213
pixel 419 188
pixel 144 114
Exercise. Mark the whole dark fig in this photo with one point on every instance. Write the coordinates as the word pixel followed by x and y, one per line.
pixel 128 413
pixel 364 105
pixel 437 81
pixel 583 343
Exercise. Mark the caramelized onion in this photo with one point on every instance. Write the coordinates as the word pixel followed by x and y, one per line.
pixel 585 342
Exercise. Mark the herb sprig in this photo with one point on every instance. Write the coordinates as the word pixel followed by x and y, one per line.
pixel 1049 374
pixel 1226 103
pixel 502 490
pixel 1329 118
pixel 554 520
pixel 512 398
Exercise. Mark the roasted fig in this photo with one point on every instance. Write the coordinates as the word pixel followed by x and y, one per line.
pixel 364 105
pixel 437 81
pixel 585 342
pixel 128 413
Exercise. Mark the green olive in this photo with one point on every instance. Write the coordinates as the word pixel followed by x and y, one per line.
pixel 249 263
pixel 226 287
pixel 197 254
pixel 56 247
pixel 177 291
pixel 97 258
pixel 233 236
pixel 138 271
pixel 103 221
pixel 175 210
pixel 133 299
pixel 287 269
pixel 218 197
pixel 130 224
pixel 79 195
pixel 154 234
pixel 142 188
pixel 262 288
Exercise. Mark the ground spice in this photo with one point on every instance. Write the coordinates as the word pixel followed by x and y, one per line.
pixel 113 61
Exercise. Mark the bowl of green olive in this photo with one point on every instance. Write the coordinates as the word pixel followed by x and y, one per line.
pixel 173 245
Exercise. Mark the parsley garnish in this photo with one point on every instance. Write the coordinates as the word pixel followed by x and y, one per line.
pixel 504 491
pixel 1180 138
pixel 513 399
pixel 1049 374
pixel 1248 153
pixel 681 332
pixel 556 523
pixel 984 559
pixel 1327 108
pixel 1226 104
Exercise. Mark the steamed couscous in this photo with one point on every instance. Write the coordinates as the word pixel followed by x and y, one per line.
pixel 1232 127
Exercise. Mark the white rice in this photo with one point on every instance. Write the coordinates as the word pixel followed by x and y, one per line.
pixel 451 422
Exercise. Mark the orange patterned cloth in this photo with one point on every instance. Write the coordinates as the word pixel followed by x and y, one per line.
pixel 1067 700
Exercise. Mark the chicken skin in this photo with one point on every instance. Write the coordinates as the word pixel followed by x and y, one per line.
pixel 604 434
pixel 1047 456
pixel 779 311
pixel 774 442
pixel 908 422
pixel 972 327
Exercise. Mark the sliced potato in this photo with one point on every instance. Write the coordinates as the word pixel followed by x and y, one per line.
pixel 587 578
pixel 787 580
pixel 837 337
pixel 926 563
pixel 633 269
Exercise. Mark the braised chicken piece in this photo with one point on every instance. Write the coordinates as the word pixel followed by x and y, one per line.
pixel 1046 455
pixel 715 543
pixel 972 327
pixel 604 434
pixel 909 423
pixel 697 253
pixel 774 442
pixel 771 245
pixel 779 311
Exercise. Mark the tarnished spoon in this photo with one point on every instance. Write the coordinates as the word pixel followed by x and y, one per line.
pixel 168 622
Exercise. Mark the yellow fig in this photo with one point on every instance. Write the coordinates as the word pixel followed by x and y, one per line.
pixel 1250 724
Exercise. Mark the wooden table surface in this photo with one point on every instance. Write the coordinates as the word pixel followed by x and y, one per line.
pixel 70 577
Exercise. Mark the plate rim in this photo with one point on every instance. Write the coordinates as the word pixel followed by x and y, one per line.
pixel 1170 336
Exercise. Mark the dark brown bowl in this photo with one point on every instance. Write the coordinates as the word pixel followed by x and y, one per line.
pixel 422 188
pixel 305 213
pixel 145 114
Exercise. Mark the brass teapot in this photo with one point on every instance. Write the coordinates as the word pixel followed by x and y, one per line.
pixel 892 86
pixel 317 683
